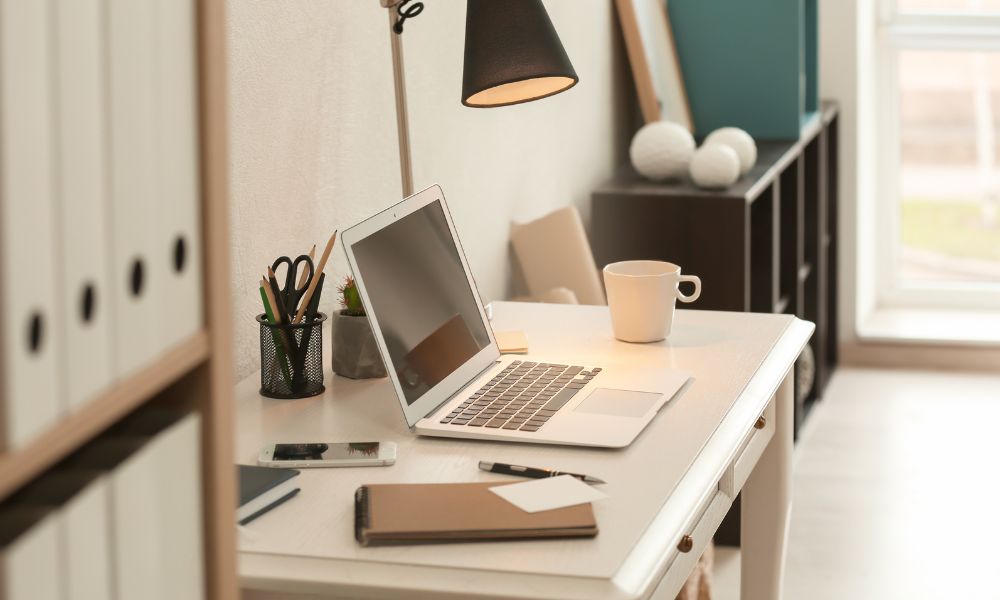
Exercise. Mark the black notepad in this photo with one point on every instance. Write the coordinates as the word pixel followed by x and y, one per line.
pixel 261 489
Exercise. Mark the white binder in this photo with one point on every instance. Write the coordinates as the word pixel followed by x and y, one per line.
pixel 134 510
pixel 136 274
pixel 175 454
pixel 29 555
pixel 153 461
pixel 86 534
pixel 81 121
pixel 29 373
pixel 178 235
pixel 79 500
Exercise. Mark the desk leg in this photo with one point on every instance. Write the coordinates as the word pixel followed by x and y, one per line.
pixel 767 505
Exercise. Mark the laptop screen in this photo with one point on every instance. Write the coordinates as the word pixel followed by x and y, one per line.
pixel 418 292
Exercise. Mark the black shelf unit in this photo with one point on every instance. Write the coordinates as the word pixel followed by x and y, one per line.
pixel 766 244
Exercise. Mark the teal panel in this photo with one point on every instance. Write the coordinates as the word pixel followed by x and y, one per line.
pixel 743 64
pixel 812 55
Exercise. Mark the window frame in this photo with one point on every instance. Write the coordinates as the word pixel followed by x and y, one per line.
pixel 897 32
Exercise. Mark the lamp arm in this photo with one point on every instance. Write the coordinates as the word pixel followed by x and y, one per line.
pixel 399 86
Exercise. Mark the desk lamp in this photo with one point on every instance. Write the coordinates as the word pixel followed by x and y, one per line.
pixel 512 55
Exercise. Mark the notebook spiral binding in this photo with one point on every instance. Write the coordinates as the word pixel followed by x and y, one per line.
pixel 360 513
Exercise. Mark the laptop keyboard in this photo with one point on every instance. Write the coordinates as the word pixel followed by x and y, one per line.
pixel 523 396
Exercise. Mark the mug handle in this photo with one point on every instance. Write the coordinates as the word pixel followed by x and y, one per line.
pixel 697 288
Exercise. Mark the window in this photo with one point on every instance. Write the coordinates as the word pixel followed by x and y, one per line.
pixel 939 147
pixel 972 7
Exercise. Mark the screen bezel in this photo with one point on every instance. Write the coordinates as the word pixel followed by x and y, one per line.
pixel 476 364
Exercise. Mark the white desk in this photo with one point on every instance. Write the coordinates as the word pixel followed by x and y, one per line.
pixel 677 479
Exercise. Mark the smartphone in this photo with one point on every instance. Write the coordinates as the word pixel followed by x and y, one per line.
pixel 331 454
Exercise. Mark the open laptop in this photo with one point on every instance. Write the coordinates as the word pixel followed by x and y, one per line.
pixel 444 362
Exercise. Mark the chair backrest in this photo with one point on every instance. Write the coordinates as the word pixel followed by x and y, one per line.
pixel 554 252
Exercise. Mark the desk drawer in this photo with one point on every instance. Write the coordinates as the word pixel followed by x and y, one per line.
pixel 751 448
pixel 692 544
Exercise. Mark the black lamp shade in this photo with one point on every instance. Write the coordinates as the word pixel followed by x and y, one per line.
pixel 512 54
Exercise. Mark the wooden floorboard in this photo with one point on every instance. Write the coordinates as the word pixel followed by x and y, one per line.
pixel 895 491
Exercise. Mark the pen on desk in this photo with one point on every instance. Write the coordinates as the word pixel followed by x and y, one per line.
pixel 536 473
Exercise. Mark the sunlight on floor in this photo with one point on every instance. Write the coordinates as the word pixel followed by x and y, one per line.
pixel 895 491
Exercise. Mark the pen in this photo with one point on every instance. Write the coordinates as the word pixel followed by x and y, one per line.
pixel 536 473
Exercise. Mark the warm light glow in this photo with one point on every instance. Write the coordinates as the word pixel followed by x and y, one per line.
pixel 520 91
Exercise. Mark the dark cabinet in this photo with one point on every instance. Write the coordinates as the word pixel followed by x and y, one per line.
pixel 766 244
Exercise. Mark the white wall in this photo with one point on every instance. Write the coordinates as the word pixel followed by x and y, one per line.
pixel 313 140
pixel 846 73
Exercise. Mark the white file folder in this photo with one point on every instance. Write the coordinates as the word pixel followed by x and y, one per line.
pixel 134 510
pixel 175 451
pixel 29 555
pixel 29 374
pixel 153 465
pixel 136 274
pixel 81 122
pixel 87 538
pixel 79 500
pixel 178 236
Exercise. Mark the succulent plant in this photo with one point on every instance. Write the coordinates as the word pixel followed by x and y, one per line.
pixel 350 298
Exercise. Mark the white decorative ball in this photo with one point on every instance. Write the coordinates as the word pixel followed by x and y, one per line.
pixel 661 150
pixel 738 140
pixel 715 166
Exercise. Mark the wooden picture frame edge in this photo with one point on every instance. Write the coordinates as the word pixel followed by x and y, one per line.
pixel 641 69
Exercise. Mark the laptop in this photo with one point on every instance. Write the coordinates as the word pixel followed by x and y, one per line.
pixel 443 360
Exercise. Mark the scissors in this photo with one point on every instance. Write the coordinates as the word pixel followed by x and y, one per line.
pixel 292 292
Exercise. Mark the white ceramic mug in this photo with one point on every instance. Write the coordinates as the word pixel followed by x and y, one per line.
pixel 642 295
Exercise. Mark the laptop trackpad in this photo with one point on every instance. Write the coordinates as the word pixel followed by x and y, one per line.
pixel 620 403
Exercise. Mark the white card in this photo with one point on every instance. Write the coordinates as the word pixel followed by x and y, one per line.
pixel 547 494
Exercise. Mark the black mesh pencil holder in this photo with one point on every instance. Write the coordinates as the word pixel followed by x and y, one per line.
pixel 291 358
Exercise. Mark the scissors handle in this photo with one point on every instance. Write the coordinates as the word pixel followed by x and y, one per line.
pixel 291 291
pixel 303 258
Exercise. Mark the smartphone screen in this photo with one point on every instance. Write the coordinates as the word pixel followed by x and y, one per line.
pixel 341 451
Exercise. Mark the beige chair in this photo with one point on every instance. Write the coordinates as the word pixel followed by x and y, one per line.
pixel 555 258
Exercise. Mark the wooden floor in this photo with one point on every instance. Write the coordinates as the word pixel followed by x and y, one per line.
pixel 896 491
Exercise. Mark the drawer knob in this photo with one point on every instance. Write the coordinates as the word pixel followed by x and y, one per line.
pixel 687 543
pixel 761 422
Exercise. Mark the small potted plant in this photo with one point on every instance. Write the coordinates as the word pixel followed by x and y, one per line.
pixel 355 353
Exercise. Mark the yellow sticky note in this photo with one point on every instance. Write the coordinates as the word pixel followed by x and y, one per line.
pixel 512 342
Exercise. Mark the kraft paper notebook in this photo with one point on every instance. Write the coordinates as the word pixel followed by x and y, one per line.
pixel 456 512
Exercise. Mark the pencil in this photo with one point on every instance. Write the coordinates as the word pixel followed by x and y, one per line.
pixel 304 304
pixel 281 309
pixel 313 307
pixel 267 313
pixel 275 334
pixel 286 336
pixel 305 273
pixel 270 300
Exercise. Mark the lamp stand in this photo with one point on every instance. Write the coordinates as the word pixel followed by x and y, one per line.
pixel 399 85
